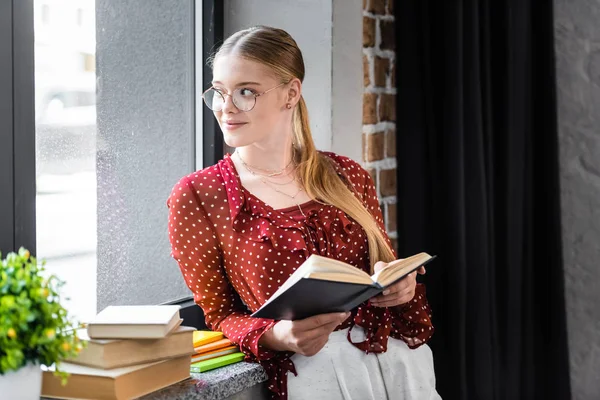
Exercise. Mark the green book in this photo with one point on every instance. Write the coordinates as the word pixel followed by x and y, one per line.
pixel 207 365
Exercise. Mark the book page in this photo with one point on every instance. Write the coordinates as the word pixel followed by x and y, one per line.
pixel 335 270
pixel 399 268
pixel 76 369
pixel 341 277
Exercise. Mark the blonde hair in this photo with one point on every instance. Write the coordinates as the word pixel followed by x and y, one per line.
pixel 276 49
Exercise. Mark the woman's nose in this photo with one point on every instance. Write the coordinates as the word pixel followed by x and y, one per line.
pixel 228 105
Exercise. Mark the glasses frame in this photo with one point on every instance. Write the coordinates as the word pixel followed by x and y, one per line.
pixel 223 95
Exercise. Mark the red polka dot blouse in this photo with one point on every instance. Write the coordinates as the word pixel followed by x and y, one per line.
pixel 234 252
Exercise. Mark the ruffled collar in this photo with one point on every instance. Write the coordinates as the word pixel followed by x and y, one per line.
pixel 243 200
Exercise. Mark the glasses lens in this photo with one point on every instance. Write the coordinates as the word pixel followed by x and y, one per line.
pixel 214 100
pixel 244 99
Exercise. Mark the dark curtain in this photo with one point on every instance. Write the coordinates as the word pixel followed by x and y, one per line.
pixel 478 181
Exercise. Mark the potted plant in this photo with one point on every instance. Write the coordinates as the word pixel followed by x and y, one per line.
pixel 35 329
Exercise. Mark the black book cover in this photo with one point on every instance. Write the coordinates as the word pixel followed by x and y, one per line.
pixel 310 297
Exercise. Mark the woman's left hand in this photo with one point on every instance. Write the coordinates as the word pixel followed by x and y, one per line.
pixel 399 293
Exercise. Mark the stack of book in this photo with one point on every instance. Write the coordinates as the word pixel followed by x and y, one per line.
pixel 213 350
pixel 131 351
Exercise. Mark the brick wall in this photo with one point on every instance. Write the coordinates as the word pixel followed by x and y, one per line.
pixel 379 104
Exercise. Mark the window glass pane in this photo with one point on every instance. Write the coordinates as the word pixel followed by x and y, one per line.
pixel 114 133
pixel 66 147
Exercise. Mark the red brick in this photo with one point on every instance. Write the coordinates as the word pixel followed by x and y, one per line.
pixel 368 32
pixel 387 182
pixel 377 6
pixel 390 7
pixel 369 108
pixel 390 143
pixel 387 107
pixel 388 35
pixel 373 146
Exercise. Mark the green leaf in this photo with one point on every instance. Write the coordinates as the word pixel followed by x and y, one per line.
pixel 35 327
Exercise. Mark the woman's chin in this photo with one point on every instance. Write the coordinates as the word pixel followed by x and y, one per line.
pixel 233 141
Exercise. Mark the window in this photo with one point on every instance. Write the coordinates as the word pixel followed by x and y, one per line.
pixel 115 127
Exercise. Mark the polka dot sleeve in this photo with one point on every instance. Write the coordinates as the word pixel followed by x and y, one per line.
pixel 411 322
pixel 195 247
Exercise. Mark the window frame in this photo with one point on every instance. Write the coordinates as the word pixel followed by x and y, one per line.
pixel 17 126
pixel 212 28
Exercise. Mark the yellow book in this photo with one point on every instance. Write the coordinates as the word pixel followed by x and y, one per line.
pixel 205 337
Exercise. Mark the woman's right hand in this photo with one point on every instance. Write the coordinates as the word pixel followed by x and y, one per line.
pixel 305 336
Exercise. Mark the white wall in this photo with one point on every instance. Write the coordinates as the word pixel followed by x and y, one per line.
pixel 347 78
pixel 329 34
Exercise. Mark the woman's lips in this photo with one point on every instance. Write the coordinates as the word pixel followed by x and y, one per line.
pixel 233 125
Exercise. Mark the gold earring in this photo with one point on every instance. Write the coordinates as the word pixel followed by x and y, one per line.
pixel 288 106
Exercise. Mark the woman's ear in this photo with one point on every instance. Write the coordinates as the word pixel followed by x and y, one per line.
pixel 294 92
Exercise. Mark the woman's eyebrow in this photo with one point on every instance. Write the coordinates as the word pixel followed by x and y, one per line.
pixel 239 84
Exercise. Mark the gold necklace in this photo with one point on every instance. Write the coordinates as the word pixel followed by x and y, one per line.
pixel 288 195
pixel 269 172
pixel 279 191
pixel 263 180
pixel 279 183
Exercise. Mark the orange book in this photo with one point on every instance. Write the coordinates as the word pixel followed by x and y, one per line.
pixel 215 353
pixel 219 344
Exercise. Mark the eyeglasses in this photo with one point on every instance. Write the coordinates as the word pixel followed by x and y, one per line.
pixel 243 98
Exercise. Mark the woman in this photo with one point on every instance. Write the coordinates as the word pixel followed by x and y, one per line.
pixel 240 228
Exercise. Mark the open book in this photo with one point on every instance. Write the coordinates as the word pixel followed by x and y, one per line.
pixel 323 285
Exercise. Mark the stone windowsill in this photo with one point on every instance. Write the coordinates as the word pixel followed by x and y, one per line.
pixel 237 381
pixel 217 384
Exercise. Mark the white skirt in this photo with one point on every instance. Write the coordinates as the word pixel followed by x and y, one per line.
pixel 342 371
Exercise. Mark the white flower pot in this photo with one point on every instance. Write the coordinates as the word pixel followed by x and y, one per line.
pixel 23 384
